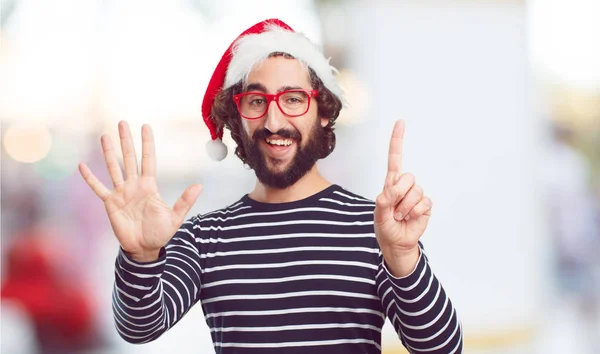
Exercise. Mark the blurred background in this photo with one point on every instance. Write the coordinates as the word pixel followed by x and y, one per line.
pixel 502 102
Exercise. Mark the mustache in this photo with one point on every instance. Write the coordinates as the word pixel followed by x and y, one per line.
pixel 286 134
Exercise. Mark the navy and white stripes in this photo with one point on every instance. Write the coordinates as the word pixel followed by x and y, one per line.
pixel 290 277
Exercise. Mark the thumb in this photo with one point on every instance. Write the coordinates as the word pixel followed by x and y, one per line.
pixel 183 205
pixel 382 209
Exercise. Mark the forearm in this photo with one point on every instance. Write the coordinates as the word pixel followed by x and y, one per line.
pixel 138 306
pixel 149 298
pixel 422 312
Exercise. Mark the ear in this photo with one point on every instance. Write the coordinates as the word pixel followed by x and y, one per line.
pixel 324 122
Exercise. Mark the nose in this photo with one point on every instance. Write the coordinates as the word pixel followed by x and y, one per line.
pixel 275 118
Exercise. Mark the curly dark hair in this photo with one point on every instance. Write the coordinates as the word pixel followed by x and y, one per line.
pixel 224 112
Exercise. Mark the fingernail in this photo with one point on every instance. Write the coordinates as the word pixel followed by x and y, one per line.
pixel 398 216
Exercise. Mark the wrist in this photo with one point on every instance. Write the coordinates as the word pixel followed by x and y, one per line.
pixel 401 263
pixel 146 256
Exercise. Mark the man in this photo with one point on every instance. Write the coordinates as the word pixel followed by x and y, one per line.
pixel 299 264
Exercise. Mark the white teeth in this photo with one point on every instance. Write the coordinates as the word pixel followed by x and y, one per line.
pixel 280 142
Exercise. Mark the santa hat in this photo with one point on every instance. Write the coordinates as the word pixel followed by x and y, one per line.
pixel 250 48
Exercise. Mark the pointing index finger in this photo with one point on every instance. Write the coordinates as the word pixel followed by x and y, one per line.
pixel 395 154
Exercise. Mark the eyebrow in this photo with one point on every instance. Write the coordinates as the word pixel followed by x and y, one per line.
pixel 285 88
pixel 262 88
pixel 255 87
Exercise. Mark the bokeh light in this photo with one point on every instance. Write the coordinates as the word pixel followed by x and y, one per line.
pixel 61 161
pixel 27 142
pixel 357 97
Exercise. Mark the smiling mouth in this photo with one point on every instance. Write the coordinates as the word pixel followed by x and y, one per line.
pixel 279 142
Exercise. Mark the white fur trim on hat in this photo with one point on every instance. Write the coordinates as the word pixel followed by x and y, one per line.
pixel 255 48
pixel 216 149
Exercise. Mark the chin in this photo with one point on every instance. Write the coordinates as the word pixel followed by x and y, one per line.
pixel 277 165
pixel 279 174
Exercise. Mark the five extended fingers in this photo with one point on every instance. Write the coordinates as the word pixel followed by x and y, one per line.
pixel 129 160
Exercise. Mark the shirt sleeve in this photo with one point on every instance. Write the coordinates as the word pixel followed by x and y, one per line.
pixel 149 298
pixel 419 309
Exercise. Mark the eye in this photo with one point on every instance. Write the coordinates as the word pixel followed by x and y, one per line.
pixel 294 98
pixel 257 101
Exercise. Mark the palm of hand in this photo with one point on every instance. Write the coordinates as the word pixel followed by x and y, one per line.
pixel 403 235
pixel 139 217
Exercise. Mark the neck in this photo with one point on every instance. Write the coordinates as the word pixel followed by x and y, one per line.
pixel 308 185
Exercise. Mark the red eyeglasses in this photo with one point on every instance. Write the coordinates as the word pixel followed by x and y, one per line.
pixel 293 103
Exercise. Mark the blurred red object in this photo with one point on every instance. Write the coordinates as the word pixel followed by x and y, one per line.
pixel 59 308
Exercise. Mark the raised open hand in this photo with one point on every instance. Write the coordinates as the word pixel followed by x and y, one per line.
pixel 402 211
pixel 141 220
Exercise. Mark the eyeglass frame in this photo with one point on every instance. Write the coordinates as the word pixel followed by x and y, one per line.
pixel 273 97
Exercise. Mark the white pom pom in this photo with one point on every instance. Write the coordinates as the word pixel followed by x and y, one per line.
pixel 216 149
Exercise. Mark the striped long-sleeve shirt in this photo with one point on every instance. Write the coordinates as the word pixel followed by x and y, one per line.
pixel 289 277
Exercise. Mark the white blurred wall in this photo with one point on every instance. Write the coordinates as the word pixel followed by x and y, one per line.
pixel 458 73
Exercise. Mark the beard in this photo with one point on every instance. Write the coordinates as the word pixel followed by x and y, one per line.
pixel 303 160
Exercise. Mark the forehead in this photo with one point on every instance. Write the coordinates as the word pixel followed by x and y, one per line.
pixel 277 72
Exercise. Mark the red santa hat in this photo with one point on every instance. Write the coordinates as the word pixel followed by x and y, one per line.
pixel 253 46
